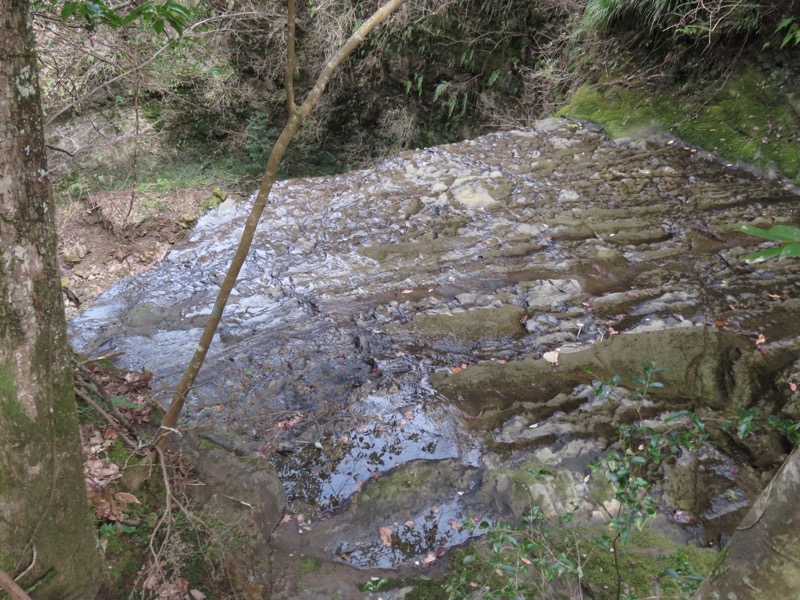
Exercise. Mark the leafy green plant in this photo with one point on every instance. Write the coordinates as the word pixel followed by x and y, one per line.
pixel 693 19
pixel 111 530
pixel 155 15
pixel 788 236
pixel 792 28
pixel 259 135
pixel 640 450
pixel 747 422
pixel 681 571
pixel 528 560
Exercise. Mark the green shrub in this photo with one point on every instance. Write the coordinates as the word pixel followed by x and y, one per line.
pixel 695 19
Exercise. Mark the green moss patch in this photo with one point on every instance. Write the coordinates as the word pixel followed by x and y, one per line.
pixel 649 559
pixel 750 118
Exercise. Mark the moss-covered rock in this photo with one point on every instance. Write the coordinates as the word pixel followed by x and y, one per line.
pixel 752 117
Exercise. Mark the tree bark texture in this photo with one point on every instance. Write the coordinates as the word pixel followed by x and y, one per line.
pixel 43 504
pixel 762 558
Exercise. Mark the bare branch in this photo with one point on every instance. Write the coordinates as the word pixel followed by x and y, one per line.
pixel 270 175
pixel 290 59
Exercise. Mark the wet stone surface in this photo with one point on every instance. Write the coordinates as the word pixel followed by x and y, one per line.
pixel 443 306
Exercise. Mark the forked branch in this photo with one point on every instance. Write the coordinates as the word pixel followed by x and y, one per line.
pixel 295 118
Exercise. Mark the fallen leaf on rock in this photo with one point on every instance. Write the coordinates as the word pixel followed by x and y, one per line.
pixel 385 534
pixel 430 559
pixel 407 292
pixel 409 523
pixel 197 595
pixel 454 524
pixel 287 424
pixel 793 386
pixel 552 356
pixel 761 339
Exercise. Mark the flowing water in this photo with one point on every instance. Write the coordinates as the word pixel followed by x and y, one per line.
pixel 402 338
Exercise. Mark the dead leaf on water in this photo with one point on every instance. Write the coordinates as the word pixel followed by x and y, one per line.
pixel 385 534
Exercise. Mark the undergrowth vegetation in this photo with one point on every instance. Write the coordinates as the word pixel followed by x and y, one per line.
pixel 568 556
pixel 164 539
pixel 131 100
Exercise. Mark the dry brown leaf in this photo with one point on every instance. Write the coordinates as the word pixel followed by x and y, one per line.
pixel 385 534
pixel 527 561
pixel 150 582
pixel 429 559
pixel 126 497
pixel 454 524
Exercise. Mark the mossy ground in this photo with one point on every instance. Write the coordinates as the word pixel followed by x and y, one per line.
pixel 751 116
pixel 650 564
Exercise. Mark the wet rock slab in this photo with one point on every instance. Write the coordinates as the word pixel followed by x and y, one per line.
pixel 378 307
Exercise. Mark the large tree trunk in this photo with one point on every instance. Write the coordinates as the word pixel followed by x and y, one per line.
pixel 762 558
pixel 43 507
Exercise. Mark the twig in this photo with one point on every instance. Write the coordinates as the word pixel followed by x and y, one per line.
pixel 30 566
pixel 98 388
pixel 57 149
pixel 111 420
pixel 10 586
pixel 247 504
pixel 113 354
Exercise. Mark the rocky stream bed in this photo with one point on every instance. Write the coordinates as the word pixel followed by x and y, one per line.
pixel 407 341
